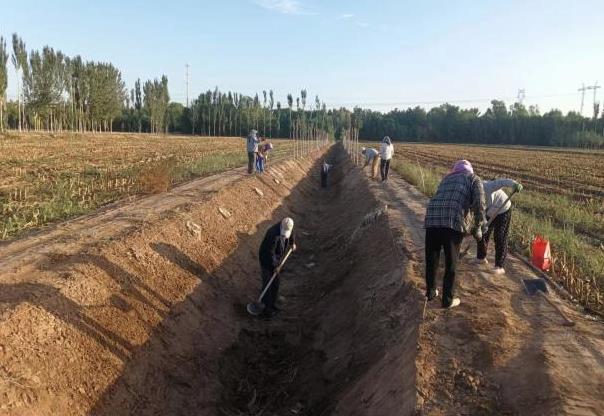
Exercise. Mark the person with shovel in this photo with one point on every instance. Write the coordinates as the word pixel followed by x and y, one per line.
pixel 277 242
pixel 457 208
pixel 499 209
pixel 371 156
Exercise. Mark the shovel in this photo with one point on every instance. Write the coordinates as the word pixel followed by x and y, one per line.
pixel 538 286
pixel 463 253
pixel 256 308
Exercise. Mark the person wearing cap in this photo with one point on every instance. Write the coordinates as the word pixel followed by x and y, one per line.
pixel 371 156
pixel 499 206
pixel 252 150
pixel 386 153
pixel 457 208
pixel 278 240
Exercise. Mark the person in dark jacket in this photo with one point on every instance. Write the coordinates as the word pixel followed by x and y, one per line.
pixel 457 208
pixel 324 172
pixel 252 142
pixel 278 240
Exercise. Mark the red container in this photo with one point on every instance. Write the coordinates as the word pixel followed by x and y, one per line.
pixel 541 255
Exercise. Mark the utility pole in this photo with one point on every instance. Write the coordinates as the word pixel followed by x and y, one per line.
pixel 582 91
pixel 187 82
pixel 521 96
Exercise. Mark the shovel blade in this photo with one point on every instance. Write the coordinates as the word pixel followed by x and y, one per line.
pixel 255 308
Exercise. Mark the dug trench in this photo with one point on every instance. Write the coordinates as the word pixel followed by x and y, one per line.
pixel 154 322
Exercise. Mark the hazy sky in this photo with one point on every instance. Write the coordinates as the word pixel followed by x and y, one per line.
pixel 378 54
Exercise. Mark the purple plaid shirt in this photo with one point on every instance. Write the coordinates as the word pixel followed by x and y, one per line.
pixel 457 196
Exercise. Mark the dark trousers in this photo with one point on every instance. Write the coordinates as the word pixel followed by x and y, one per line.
pixel 270 297
pixel 501 228
pixel 384 168
pixel 449 240
pixel 323 179
pixel 251 162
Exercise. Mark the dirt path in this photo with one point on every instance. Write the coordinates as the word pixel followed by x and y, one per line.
pixel 501 351
pixel 108 223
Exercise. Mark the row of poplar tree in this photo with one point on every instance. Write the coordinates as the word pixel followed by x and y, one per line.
pixel 56 92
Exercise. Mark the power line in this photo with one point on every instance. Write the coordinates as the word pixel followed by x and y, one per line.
pixel 457 100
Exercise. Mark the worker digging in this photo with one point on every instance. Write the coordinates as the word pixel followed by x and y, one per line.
pixel 278 243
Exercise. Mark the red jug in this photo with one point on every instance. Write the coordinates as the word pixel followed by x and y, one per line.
pixel 541 256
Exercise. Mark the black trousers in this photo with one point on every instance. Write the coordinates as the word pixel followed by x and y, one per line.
pixel 270 297
pixel 501 227
pixel 323 179
pixel 450 241
pixel 384 168
pixel 251 162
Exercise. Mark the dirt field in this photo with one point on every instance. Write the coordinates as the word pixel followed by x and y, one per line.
pixel 52 177
pixel 126 312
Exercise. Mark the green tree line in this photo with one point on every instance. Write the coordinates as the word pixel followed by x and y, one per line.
pixel 499 124
pixel 56 92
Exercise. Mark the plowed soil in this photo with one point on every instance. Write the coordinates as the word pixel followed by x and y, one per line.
pixel 147 316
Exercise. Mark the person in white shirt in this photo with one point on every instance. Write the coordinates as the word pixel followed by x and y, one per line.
pixel 386 153
pixel 371 156
pixel 500 207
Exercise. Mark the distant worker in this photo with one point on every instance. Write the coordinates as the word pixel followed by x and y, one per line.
pixel 278 240
pixel 324 172
pixel 500 207
pixel 386 153
pixel 252 150
pixel 457 208
pixel 262 156
pixel 371 156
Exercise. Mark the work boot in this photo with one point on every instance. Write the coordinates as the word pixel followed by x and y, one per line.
pixel 455 302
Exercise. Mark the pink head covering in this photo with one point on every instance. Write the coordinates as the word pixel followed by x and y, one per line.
pixel 462 166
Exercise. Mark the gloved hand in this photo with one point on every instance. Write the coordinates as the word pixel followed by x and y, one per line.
pixel 294 247
pixel 518 187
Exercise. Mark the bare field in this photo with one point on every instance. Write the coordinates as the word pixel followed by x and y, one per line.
pixel 49 177
pixel 562 199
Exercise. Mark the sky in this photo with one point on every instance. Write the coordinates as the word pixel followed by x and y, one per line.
pixel 374 54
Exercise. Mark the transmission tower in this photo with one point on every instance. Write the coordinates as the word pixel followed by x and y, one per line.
pixel 595 88
pixel 521 96
pixel 582 91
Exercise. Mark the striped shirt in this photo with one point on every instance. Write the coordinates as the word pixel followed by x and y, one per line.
pixel 458 203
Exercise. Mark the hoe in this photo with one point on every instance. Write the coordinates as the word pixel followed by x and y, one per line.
pixel 256 308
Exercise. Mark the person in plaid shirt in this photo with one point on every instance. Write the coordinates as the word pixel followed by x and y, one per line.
pixel 457 208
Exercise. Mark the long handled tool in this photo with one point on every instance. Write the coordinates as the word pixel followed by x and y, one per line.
pixel 463 253
pixel 538 286
pixel 256 308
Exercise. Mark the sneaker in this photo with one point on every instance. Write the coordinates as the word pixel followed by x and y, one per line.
pixel 498 270
pixel 433 296
pixel 480 261
pixel 454 303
